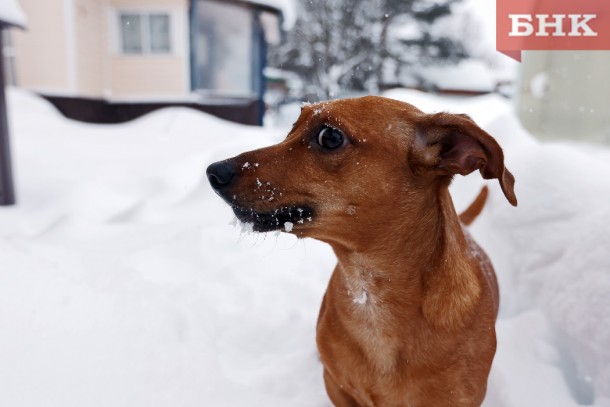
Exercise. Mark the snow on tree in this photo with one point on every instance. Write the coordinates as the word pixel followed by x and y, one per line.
pixel 338 46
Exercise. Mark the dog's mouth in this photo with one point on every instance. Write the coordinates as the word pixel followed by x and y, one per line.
pixel 285 218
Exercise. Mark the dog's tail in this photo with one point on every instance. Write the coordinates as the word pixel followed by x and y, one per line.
pixel 475 208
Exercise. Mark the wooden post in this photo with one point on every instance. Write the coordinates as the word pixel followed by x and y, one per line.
pixel 7 193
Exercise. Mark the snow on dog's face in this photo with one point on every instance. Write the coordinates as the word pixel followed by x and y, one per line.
pixel 353 166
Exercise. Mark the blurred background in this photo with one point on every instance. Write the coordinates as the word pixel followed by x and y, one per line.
pixel 112 61
pixel 122 282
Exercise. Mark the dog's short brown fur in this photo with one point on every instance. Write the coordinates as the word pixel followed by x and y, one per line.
pixel 408 316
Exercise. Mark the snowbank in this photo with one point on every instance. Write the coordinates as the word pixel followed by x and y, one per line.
pixel 122 282
pixel 469 75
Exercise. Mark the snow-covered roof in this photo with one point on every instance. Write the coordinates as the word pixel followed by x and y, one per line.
pixel 469 75
pixel 287 7
pixel 11 13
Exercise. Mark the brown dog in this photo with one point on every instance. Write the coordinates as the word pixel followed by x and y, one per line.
pixel 408 317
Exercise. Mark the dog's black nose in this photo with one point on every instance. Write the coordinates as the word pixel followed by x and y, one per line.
pixel 221 174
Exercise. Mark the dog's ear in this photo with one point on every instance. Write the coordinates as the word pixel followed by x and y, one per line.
pixel 447 144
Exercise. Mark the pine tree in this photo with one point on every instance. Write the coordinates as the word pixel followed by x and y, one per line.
pixel 343 45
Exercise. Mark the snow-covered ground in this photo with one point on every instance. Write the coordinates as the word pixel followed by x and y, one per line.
pixel 123 284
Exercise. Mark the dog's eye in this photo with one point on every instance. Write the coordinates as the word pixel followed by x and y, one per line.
pixel 330 138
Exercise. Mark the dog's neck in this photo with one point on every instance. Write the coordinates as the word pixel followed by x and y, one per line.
pixel 419 264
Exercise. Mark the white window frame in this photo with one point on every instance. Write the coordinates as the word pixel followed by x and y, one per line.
pixel 144 32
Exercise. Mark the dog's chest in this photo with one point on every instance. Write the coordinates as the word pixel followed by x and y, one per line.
pixel 374 323
pixel 383 349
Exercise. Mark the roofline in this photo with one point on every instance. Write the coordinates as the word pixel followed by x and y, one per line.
pixel 7 24
pixel 266 7
pixel 251 4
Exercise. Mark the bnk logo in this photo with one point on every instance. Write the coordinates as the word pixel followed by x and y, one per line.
pixel 524 25
pixel 552 25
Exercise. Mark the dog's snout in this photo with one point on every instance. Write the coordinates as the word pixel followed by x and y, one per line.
pixel 220 174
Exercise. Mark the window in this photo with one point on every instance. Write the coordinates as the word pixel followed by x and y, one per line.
pixel 159 33
pixel 145 33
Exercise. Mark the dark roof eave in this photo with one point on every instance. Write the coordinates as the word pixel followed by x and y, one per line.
pixel 8 24
pixel 265 7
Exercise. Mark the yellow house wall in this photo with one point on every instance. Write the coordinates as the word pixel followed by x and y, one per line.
pixel 154 76
pixel 92 79
pixel 72 47
pixel 41 54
